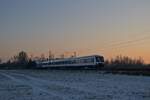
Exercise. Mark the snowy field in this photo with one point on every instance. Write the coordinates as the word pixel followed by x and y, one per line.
pixel 71 85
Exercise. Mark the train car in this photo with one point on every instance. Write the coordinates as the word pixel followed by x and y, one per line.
pixel 94 61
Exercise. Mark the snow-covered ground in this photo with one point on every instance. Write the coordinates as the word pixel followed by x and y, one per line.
pixel 71 85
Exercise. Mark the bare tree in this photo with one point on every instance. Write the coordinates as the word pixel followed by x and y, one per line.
pixel 0 60
pixel 42 57
pixel 22 57
pixel 62 56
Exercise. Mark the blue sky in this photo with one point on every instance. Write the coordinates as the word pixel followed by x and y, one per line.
pixel 85 26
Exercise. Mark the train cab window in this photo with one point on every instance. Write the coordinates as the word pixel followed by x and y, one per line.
pixel 99 59
pixel 102 59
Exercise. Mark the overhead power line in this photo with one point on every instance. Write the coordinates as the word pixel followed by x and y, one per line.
pixel 120 44
pixel 125 43
pixel 130 41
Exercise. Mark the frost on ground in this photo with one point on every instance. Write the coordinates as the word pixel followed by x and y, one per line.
pixel 71 85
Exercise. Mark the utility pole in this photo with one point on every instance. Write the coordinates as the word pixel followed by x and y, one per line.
pixel 75 54
pixel 31 57
pixel 42 57
pixel 51 56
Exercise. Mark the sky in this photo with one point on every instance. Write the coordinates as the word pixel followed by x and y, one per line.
pixel 103 27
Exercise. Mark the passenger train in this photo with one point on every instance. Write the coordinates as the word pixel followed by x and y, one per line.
pixel 94 61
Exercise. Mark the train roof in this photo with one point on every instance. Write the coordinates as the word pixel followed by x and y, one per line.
pixel 89 56
pixel 83 57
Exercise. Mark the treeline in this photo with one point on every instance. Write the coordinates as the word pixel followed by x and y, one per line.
pixel 119 63
pixel 127 65
pixel 19 61
pixel 125 61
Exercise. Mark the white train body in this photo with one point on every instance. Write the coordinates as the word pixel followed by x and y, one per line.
pixel 75 62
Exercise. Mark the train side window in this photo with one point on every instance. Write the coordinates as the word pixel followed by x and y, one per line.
pixel 92 60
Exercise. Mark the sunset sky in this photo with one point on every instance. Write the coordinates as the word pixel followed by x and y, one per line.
pixel 103 27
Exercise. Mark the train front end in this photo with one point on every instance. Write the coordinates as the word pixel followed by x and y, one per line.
pixel 99 61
